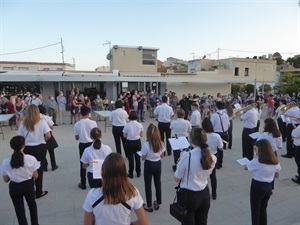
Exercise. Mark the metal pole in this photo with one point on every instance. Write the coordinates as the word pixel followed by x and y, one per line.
pixel 62 50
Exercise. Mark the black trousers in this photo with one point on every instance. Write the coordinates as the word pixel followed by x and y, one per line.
pixel 133 146
pixel 19 191
pixel 247 143
pixel 176 156
pixel 197 204
pixel 213 182
pixel 165 132
pixel 289 140
pixel 230 129
pixel 52 158
pixel 81 147
pixel 260 194
pixel 257 126
pixel 152 169
pixel 282 128
pixel 94 183
pixel 118 137
pixel 39 152
pixel 220 154
pixel 297 159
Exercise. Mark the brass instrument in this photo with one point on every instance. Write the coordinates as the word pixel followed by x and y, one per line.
pixel 244 109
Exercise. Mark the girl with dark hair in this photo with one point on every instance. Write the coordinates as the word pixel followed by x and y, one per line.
pixel 264 168
pixel 36 132
pixel 96 153
pixel 194 192
pixel 133 131
pixel 20 170
pixel 112 203
pixel 215 144
pixel 152 152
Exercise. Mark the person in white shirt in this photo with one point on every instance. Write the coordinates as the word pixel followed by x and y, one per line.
pixel 180 128
pixel 164 114
pixel 34 100
pixel 195 118
pixel 152 152
pixel 36 132
pixel 82 130
pixel 194 193
pixel 215 144
pixel 249 119
pixel 20 170
pixel 118 118
pixel 96 153
pixel 296 137
pixel 133 131
pixel 113 202
pixel 263 168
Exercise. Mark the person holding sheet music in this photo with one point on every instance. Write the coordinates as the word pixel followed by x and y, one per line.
pixel 221 124
pixel 194 192
pixel 96 153
pixel 215 144
pixel 133 131
pixel 291 114
pixel 179 128
pixel 249 119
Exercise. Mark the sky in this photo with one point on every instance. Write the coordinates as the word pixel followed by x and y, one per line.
pixel 183 29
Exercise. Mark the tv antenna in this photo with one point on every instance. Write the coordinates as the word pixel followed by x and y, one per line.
pixel 107 43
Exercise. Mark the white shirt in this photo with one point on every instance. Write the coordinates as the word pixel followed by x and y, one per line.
pixel 180 127
pixel 22 173
pixel 197 176
pixel 111 214
pixel 83 128
pixel 47 119
pixel 164 113
pixel 37 136
pixel 150 155
pixel 214 142
pixel 262 172
pixel 250 118
pixel 275 142
pixel 294 111
pixel 90 153
pixel 296 136
pixel 195 119
pixel 118 117
pixel 133 130
pixel 216 121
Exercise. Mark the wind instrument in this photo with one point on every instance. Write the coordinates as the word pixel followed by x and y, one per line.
pixel 244 109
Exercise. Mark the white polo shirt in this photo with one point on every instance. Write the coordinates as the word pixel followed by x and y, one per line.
pixel 90 153
pixel 83 128
pixel 150 155
pixel 296 136
pixel 37 136
pixel 111 214
pixel 294 111
pixel 180 127
pixel 263 172
pixel 216 121
pixel 133 130
pixel 118 117
pixel 214 142
pixel 197 176
pixel 195 119
pixel 23 173
pixel 275 142
pixel 250 118
pixel 47 119
pixel 164 113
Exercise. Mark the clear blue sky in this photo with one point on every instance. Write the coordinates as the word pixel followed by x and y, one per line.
pixel 178 28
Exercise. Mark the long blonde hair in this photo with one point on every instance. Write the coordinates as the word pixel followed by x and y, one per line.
pixel 153 137
pixel 116 186
pixel 32 117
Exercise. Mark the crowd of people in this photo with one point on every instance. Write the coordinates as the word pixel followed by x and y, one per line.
pixel 206 122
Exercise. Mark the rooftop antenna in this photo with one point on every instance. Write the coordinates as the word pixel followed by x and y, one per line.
pixel 62 50
pixel 107 43
pixel 193 54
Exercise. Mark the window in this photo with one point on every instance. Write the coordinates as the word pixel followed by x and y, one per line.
pixel 46 69
pixel 236 71
pixel 246 71
pixel 8 68
pixel 23 68
pixel 149 57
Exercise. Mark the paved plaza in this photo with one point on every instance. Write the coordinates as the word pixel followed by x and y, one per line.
pixel 63 204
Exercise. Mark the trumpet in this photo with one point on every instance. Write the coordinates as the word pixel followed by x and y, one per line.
pixel 244 109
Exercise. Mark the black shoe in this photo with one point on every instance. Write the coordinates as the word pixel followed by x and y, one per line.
pixel 287 156
pixel 218 167
pixel 80 185
pixel 297 176
pixel 169 153
pixel 43 194
pixel 55 125
pixel 54 168
pixel 214 197
pixel 138 174
pixel 229 147
pixel 130 176
pixel 150 209
pixel 155 205
pixel 174 167
pixel 297 181
pixel 45 170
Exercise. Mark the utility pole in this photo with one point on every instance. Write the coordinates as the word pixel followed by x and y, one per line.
pixel 62 50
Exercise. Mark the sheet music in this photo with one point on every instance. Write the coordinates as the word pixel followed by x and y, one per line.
pixel 243 162
pixel 139 153
pixel 255 135
pixel 237 106
pixel 179 143
pixel 97 168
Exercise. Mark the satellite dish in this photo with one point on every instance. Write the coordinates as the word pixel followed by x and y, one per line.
pixel 109 56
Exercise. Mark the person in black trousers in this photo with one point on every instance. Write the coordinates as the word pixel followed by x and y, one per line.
pixel 21 182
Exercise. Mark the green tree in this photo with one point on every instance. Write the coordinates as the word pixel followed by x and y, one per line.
pixel 267 88
pixel 237 87
pixel 250 88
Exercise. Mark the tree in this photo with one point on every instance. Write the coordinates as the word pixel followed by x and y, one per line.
pixel 294 61
pixel 236 88
pixel 265 88
pixel 250 88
